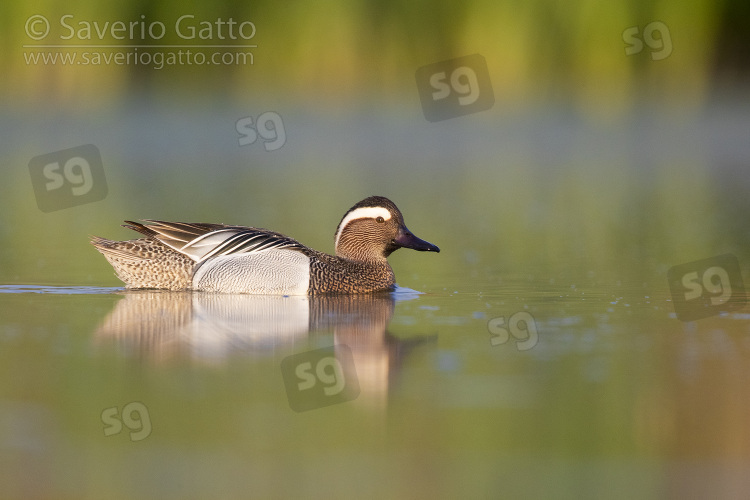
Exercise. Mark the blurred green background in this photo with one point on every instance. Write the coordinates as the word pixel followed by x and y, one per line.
pixel 344 52
pixel 588 154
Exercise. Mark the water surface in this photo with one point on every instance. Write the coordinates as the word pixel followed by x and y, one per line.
pixel 616 398
pixel 539 355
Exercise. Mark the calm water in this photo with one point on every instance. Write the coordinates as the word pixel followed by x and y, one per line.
pixel 539 355
pixel 595 391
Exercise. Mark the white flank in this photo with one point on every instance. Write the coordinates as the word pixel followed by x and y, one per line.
pixel 270 272
pixel 362 213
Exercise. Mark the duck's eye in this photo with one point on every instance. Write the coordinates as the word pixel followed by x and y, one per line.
pixel 379 219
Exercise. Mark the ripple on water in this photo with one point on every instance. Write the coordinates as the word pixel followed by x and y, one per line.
pixel 60 290
pixel 399 294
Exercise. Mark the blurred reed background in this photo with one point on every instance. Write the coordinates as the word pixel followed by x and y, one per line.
pixel 588 154
pixel 349 51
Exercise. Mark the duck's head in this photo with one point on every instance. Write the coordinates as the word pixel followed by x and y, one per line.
pixel 373 229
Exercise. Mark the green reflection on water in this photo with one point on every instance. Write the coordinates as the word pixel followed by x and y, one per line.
pixel 489 220
pixel 617 395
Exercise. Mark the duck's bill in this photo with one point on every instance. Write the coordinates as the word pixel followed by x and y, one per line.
pixel 405 239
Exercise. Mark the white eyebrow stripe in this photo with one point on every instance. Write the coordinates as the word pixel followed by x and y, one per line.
pixel 362 213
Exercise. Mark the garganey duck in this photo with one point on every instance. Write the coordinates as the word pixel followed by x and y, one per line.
pixel 237 259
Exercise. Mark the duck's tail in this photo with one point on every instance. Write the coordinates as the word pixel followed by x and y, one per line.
pixel 147 263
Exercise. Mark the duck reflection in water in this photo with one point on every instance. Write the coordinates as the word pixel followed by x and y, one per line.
pixel 163 326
